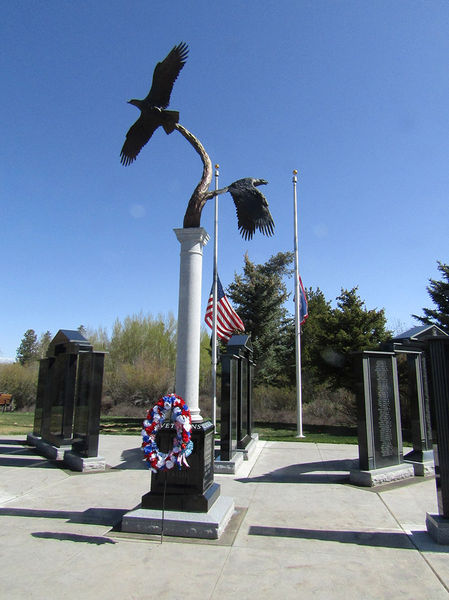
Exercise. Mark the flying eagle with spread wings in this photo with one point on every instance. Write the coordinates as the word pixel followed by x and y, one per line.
pixel 152 108
pixel 251 206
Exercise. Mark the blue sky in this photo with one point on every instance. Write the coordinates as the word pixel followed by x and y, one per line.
pixel 353 94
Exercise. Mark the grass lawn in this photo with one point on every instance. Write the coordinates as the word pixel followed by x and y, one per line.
pixel 285 432
pixel 22 423
pixel 18 423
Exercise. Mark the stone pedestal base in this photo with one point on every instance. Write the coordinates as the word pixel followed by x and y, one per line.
pixel 85 465
pixel 182 502
pixel 32 439
pixel 438 528
pixel 47 449
pixel 228 467
pixel 64 454
pixel 250 448
pixel 423 469
pixel 208 525
pixel 381 476
pixel 422 462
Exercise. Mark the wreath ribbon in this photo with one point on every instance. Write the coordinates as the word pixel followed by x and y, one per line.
pixel 182 444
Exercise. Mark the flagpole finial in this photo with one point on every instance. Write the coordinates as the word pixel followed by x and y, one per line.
pixel 295 172
pixel 217 166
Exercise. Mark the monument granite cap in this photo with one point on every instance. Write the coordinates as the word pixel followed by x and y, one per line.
pixel 419 333
pixel 242 341
pixel 69 342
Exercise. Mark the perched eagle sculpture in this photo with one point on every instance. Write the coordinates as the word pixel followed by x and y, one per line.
pixel 152 108
pixel 251 206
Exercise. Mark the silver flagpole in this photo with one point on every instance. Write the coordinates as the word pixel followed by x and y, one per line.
pixel 214 308
pixel 297 312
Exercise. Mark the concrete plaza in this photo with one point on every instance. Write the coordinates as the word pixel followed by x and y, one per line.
pixel 300 531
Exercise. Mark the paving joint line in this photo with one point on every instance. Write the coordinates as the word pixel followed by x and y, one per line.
pixel 410 537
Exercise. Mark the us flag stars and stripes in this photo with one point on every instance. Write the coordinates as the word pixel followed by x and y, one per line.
pixel 228 321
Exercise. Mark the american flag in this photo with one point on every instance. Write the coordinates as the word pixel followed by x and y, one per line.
pixel 228 321
pixel 303 305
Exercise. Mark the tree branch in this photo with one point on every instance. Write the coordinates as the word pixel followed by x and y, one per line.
pixel 201 194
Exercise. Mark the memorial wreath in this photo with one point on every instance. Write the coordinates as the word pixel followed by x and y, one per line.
pixel 182 444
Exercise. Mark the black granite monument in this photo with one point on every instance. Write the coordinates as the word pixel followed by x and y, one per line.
pixel 69 394
pixel 418 393
pixel 188 489
pixel 418 404
pixel 86 422
pixel 438 369
pixel 378 419
pixel 411 345
pixel 236 396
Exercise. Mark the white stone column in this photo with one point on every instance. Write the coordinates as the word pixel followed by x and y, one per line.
pixel 192 241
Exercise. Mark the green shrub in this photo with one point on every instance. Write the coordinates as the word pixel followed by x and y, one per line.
pixel 21 382
pixel 274 404
pixel 330 407
pixel 320 405
pixel 138 384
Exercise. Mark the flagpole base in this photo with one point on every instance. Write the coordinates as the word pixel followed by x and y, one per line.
pixel 300 435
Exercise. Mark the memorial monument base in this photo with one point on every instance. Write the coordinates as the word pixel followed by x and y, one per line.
pixel 208 525
pixel 375 477
pixel 65 455
pixel 423 469
pixel 228 467
pixel 46 449
pixel 32 439
pixel 190 488
pixel 422 462
pixel 84 465
pixel 250 448
pixel 200 503
pixel 438 528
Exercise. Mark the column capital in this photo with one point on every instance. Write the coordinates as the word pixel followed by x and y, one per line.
pixel 192 234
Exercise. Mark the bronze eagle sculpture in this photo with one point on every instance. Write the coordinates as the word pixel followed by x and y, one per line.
pixel 152 108
pixel 251 206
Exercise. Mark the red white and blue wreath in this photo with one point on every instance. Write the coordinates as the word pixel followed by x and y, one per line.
pixel 182 444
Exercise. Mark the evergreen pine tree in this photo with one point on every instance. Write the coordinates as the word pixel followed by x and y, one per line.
pixel 44 341
pixel 352 328
pixel 258 296
pixel 29 348
pixel 439 293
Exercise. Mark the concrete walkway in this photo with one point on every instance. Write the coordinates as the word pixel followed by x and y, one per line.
pixel 300 531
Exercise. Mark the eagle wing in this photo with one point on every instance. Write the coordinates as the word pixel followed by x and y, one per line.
pixel 136 138
pixel 252 209
pixel 165 75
